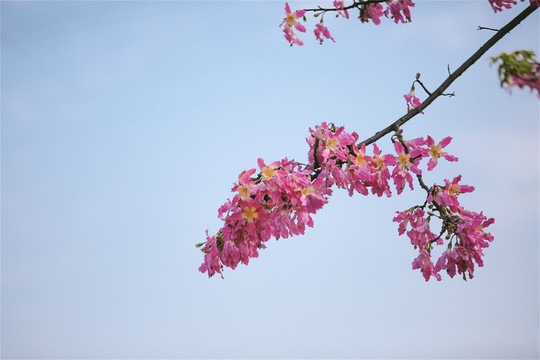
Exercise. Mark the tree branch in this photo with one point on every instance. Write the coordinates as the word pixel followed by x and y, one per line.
pixel 453 76
pixel 355 4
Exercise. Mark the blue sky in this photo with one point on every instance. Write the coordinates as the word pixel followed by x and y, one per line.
pixel 124 125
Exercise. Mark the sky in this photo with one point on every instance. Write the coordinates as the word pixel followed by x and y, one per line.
pixel 125 123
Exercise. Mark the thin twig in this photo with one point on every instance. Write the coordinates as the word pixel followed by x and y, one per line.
pixel 429 93
pixel 486 28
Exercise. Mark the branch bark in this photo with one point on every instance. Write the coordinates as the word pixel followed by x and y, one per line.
pixel 452 77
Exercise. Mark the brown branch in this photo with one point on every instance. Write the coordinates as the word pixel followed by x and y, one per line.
pixel 452 77
pixel 355 4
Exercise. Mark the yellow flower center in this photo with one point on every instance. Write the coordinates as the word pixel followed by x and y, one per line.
pixel 332 143
pixel 268 172
pixel 290 20
pixel 436 151
pixel 379 161
pixel 307 191
pixel 360 159
pixel 453 189
pixel 244 191
pixel 404 160
pixel 250 213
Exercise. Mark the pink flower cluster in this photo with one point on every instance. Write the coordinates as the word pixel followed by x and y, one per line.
pixel 277 202
pixel 371 12
pixel 399 10
pixel 464 229
pixel 280 199
pixel 498 5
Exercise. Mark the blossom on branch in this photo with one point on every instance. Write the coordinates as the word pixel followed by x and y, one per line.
pixel 320 31
pixel 435 151
pixel 371 11
pixel 339 5
pixel 465 231
pixel 412 100
pixel 399 10
pixel 280 199
pixel 447 195
pixel 498 5
pixel 289 22
pixel 471 239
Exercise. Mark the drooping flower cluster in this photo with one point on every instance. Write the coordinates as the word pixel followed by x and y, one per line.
pixel 464 231
pixel 499 5
pixel 277 202
pixel 281 198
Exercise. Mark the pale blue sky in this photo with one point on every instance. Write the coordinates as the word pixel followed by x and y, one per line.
pixel 124 125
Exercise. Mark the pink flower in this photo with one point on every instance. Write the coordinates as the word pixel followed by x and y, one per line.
pixel 373 12
pixel 339 5
pixel 497 5
pixel 291 37
pixel 471 240
pixel 412 100
pixel 420 234
pixel 212 263
pixel 269 171
pixel 448 196
pixel 404 161
pixel 403 219
pixel 401 178
pixel 435 151
pixel 359 172
pixel 424 263
pixel 401 174
pixel 447 262
pixel 290 22
pixel 245 185
pixel 320 31
pixel 399 10
pixel 380 173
